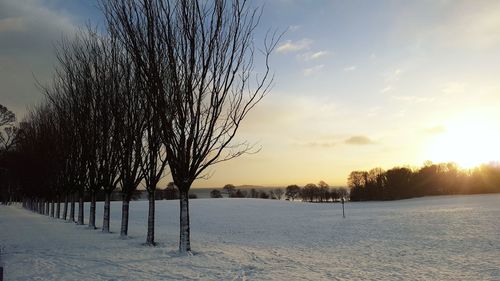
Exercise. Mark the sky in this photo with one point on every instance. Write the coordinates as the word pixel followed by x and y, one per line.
pixel 358 84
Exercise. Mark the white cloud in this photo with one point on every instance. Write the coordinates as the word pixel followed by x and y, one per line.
pixel 309 56
pixel 313 70
pixel 386 89
pixel 453 88
pixel 290 46
pixel 350 68
pixel 318 55
pixel 393 76
pixel 414 99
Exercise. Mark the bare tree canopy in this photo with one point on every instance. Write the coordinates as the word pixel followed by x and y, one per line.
pixel 198 60
pixel 6 116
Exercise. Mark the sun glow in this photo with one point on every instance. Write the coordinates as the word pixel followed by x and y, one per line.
pixel 469 140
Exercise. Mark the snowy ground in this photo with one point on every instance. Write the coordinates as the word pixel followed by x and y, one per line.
pixel 436 238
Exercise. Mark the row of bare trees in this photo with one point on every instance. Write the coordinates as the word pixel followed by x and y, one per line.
pixel 320 192
pixel 167 84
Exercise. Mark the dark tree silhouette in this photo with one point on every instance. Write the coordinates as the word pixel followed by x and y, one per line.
pixel 198 60
pixel 431 179
pixel 153 164
pixel 229 189
pixel 215 194
pixel 7 117
pixel 292 192
pixel 254 193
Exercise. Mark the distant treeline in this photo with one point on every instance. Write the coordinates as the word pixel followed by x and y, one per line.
pixel 309 193
pixel 431 179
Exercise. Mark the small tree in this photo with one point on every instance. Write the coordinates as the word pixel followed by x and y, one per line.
pixel 238 194
pixel 278 193
pixel 254 193
pixel 310 192
pixel 171 192
pixel 229 189
pixel 292 191
pixel 215 194
pixel 263 195
pixel 323 191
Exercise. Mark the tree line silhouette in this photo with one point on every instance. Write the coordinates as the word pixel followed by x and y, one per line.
pixel 162 89
pixel 320 193
pixel 431 179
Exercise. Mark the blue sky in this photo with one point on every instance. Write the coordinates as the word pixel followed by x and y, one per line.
pixel 359 84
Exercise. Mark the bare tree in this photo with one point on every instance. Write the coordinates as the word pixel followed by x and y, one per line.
pixel 198 58
pixel 154 162
pixel 230 189
pixel 278 193
pixel 6 116
pixel 292 191
pixel 79 63
pixel 8 133
pixel 130 128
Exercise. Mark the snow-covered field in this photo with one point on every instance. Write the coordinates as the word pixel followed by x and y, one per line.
pixel 434 238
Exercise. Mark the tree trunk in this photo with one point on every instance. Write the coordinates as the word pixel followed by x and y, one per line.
pixel 52 203
pixel 184 239
pixel 125 207
pixel 150 240
pixel 72 209
pixel 81 205
pixel 65 209
pixel 92 210
pixel 107 206
pixel 58 207
pixel 47 207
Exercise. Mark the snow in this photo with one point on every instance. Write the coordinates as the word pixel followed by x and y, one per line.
pixel 433 238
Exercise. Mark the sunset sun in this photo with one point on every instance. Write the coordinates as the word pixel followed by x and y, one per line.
pixel 469 140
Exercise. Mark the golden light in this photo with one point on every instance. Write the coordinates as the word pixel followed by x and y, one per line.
pixel 468 140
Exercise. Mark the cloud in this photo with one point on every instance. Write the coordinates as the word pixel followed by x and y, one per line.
pixel 453 88
pixel 290 46
pixel 386 89
pixel 460 25
pixel 359 140
pixel 313 70
pixel 313 56
pixel 317 144
pixel 293 28
pixel 28 30
pixel 435 130
pixel 350 68
pixel 414 99
pixel 393 76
